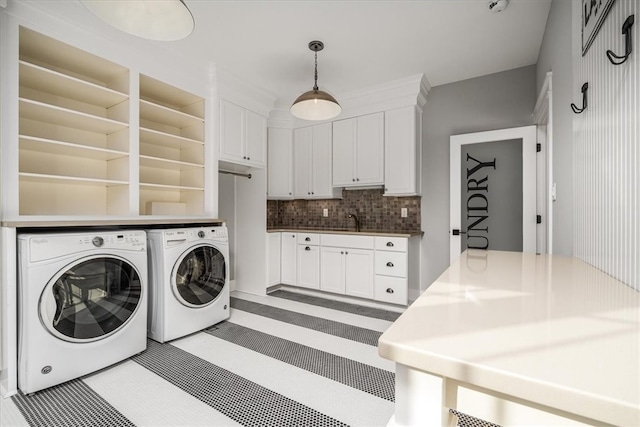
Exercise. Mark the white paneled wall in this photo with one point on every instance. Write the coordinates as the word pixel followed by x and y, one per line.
pixel 607 150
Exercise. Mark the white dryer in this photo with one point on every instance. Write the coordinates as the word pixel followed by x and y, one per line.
pixel 189 280
pixel 82 304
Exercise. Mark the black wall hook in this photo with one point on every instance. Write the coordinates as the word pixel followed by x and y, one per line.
pixel 584 100
pixel 626 30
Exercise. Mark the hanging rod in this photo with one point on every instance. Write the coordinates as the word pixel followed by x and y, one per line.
pixel 246 175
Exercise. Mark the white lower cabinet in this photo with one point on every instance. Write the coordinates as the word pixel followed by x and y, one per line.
pixel 288 266
pixel 392 270
pixel 308 260
pixel 275 261
pixel 347 265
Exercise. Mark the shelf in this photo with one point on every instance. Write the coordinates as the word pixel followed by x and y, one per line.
pixel 161 187
pixel 167 116
pixel 55 83
pixel 63 56
pixel 39 111
pixel 154 137
pixel 52 179
pixel 61 148
pixel 161 93
pixel 160 163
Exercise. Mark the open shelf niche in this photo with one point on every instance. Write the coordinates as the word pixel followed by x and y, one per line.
pixel 73 130
pixel 171 150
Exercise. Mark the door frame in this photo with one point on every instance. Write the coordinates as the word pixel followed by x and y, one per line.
pixel 528 136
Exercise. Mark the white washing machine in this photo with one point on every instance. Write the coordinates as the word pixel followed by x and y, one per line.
pixel 82 301
pixel 189 280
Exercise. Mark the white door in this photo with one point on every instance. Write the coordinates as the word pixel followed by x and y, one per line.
pixel 332 270
pixel 370 149
pixel 288 259
pixel 493 191
pixel 358 273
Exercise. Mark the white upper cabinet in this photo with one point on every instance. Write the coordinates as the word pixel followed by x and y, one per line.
pixel 403 152
pixel 243 135
pixel 312 163
pixel 280 164
pixel 358 151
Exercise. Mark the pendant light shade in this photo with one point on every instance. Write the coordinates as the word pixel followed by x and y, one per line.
pixel 315 104
pixel 164 20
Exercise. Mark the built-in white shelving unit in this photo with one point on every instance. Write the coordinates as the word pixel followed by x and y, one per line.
pixel 171 150
pixel 73 131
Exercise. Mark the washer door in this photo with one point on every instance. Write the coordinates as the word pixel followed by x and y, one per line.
pixel 91 299
pixel 199 276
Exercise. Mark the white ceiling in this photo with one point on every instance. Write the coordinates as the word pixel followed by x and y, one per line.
pixel 366 42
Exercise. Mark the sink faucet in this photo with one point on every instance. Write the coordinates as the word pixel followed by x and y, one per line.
pixel 355 218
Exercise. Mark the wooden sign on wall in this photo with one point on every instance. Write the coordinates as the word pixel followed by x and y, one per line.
pixel 594 13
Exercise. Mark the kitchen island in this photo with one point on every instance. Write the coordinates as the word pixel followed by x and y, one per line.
pixel 518 339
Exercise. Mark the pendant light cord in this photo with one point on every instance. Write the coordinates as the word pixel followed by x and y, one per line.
pixel 315 85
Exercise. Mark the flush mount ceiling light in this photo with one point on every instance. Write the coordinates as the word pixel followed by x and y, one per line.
pixel 315 104
pixel 498 5
pixel 164 20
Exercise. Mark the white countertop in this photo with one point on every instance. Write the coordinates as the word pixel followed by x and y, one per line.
pixel 552 330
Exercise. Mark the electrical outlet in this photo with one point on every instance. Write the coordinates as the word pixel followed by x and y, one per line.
pixel 325 212
pixel 403 212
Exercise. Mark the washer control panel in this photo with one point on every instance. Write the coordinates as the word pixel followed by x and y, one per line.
pixel 50 246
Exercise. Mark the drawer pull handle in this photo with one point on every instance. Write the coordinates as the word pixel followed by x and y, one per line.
pixel 389 264
pixel 390 244
pixel 389 290
pixel 307 248
pixel 307 239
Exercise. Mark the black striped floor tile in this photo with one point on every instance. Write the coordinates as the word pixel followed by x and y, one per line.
pixel 342 330
pixel 376 313
pixel 242 400
pixel 69 404
pixel 360 376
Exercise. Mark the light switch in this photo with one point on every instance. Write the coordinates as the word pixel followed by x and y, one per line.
pixel 325 212
pixel 403 212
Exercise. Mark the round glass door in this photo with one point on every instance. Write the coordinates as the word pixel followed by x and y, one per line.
pixel 199 276
pixel 91 299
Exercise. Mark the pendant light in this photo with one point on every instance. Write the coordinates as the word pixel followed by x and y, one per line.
pixel 164 20
pixel 315 104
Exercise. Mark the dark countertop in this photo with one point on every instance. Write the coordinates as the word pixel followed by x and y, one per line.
pixel 389 233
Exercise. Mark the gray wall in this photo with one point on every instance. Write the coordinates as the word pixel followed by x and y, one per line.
pixel 555 56
pixel 496 101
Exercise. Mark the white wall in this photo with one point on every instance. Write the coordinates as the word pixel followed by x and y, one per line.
pixel 606 149
pixel 227 211
pixel 497 101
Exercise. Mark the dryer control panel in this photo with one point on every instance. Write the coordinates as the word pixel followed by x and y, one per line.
pixel 180 236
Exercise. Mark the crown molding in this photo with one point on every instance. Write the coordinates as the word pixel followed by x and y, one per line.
pixel 243 93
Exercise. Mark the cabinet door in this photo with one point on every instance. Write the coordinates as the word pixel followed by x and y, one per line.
pixel 322 186
pixel 344 152
pixel 280 164
pixel 370 150
pixel 256 139
pixel 302 163
pixel 274 258
pixel 402 152
pixel 288 259
pixel 359 273
pixel 232 132
pixel 332 270
pixel 308 271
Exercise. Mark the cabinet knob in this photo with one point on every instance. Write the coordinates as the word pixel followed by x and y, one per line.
pixel 248 158
pixel 313 192
pixel 390 244
pixel 307 239
pixel 389 290
pixel 353 179
pixel 357 179
pixel 389 264
pixel 244 157
pixel 346 253
pixel 307 248
pixel 341 252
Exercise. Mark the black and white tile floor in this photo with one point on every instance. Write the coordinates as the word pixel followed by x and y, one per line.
pixel 280 360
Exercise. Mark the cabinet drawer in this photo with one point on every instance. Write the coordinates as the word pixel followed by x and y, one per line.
pixel 396 244
pixel 391 263
pixel 390 289
pixel 347 241
pixel 308 239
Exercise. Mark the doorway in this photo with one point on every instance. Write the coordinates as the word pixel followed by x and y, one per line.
pixel 493 191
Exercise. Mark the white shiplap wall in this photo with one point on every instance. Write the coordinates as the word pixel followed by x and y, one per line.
pixel 606 147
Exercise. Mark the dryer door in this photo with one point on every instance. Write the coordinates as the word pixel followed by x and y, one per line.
pixel 91 299
pixel 199 276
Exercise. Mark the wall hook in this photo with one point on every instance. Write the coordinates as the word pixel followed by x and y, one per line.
pixel 626 30
pixel 584 100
